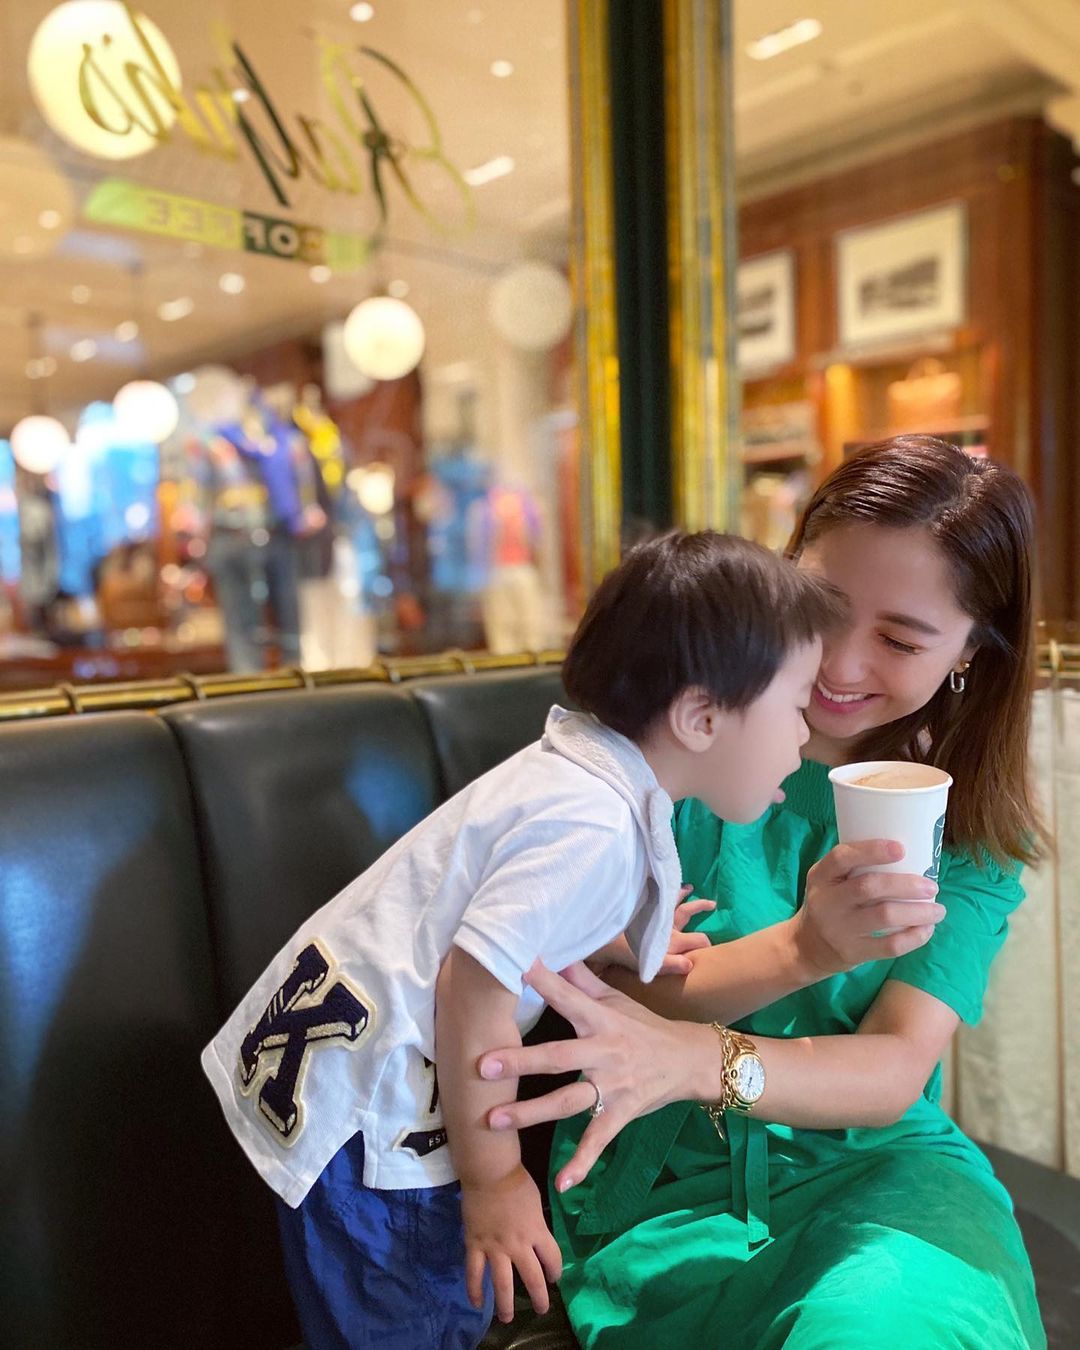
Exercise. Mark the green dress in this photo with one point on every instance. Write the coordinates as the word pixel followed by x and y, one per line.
pixel 893 1237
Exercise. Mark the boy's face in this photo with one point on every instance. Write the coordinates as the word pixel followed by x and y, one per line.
pixel 755 750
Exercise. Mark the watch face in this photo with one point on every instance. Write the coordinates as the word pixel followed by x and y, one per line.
pixel 749 1077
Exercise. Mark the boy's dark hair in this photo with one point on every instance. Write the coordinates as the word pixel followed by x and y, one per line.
pixel 701 610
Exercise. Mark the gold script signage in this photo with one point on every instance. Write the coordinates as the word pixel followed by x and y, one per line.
pixel 351 152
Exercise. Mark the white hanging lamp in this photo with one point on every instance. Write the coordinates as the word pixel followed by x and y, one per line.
pixel 531 306
pixel 384 338
pixel 146 411
pixel 38 442
pixel 82 109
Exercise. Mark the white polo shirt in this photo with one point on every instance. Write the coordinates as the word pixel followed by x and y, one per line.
pixel 551 854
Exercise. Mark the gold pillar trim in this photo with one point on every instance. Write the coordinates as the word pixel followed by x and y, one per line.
pixel 704 384
pixel 593 279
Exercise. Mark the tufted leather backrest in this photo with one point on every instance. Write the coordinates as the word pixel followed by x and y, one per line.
pixel 295 795
pixel 118 1175
pixel 478 722
pixel 150 866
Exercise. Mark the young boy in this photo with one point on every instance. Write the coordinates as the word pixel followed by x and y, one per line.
pixel 693 665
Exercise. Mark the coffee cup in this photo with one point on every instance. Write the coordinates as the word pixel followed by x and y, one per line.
pixel 894 799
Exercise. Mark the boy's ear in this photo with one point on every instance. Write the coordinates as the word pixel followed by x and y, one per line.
pixel 693 719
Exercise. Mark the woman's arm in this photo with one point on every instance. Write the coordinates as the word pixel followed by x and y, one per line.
pixel 641 1062
pixel 842 922
pixel 869 1079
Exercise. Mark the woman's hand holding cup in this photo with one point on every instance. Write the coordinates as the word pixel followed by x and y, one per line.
pixel 850 915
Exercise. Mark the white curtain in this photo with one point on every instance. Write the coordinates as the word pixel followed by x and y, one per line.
pixel 1014 1080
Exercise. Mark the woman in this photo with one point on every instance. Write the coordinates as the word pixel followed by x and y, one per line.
pixel 846 1209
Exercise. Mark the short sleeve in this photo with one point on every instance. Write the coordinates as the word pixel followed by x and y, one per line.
pixel 558 890
pixel 954 965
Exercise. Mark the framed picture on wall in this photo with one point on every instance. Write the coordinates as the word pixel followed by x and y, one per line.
pixel 765 311
pixel 902 278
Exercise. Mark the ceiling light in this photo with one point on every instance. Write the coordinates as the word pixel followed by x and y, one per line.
pixel 58 65
pixel 320 274
pixel 241 95
pixel 84 350
pixel 179 308
pixel 38 443
pixel 374 487
pixel 80 294
pixel 185 383
pixel 794 35
pixel 384 338
pixel 232 283
pixel 498 167
pixel 127 331
pixel 41 368
pixel 50 220
pixel 502 69
pixel 398 289
pixel 146 411
pixel 531 306
pixel 362 13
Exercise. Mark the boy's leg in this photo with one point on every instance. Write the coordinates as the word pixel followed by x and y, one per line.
pixel 379 1268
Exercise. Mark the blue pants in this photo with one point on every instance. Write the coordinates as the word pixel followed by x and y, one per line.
pixel 379 1268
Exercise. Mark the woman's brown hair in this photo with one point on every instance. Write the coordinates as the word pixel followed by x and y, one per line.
pixel 980 514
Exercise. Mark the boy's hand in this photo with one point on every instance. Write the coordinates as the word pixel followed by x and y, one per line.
pixel 618 953
pixel 504 1230
pixel 676 962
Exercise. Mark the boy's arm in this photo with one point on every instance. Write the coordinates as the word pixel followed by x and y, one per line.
pixel 504 1221
pixel 844 921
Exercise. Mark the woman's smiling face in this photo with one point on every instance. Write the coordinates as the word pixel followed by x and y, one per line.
pixel 907 630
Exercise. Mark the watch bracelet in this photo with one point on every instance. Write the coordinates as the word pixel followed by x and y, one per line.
pixel 732 1044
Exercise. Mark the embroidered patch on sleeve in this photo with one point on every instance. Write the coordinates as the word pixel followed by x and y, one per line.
pixel 306 1012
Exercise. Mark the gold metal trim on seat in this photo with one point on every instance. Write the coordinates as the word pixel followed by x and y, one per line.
pixel 1057 660
pixel 68 700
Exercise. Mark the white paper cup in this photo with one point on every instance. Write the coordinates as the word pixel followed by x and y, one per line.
pixel 915 815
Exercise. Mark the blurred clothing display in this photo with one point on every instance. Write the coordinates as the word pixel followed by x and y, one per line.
pixel 507 528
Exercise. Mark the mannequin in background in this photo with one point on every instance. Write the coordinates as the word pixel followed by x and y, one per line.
pixel 506 528
pixel 39 551
pixel 271 446
pixel 336 629
pixel 224 502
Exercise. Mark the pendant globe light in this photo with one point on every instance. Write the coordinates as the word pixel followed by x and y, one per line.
pixel 145 409
pixel 38 442
pixel 384 338
pixel 61 79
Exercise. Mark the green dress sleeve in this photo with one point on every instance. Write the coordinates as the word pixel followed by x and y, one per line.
pixel 955 964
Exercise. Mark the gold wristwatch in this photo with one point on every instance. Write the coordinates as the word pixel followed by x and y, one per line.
pixel 744 1077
